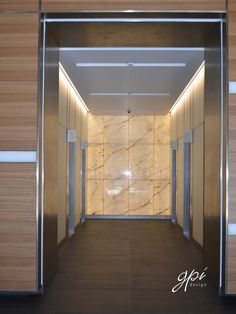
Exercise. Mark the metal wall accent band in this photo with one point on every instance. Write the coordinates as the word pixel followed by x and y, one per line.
pixel 232 87
pixel 126 217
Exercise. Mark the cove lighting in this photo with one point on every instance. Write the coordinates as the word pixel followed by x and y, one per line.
pixel 131 64
pixel 82 103
pixel 189 83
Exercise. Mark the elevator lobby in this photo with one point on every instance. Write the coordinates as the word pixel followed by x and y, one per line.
pixel 130 170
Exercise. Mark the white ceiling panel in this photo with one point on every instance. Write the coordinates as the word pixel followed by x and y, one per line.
pixel 146 80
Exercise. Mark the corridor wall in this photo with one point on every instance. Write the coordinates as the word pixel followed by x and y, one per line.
pixel 188 114
pixel 72 116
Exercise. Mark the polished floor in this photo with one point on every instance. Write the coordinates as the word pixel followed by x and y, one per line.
pixel 121 267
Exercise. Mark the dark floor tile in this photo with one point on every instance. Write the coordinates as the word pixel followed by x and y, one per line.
pixel 123 267
pixel 156 301
pixel 87 301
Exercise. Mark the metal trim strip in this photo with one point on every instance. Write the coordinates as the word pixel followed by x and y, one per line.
pixel 135 20
pixel 145 217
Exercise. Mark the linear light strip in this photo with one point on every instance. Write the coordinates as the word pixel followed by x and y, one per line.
pixel 18 156
pixel 131 64
pixel 131 49
pixel 189 83
pixel 130 94
pixel 73 86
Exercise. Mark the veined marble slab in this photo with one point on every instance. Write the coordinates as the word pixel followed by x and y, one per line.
pixel 115 197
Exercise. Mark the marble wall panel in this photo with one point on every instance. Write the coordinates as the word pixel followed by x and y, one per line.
pixel 161 133
pixel 141 161
pixel 140 197
pixel 161 193
pixel 115 197
pixel 95 161
pixel 162 161
pixel 141 129
pixel 116 161
pixel 95 129
pixel 116 129
pixel 95 197
pixel 129 161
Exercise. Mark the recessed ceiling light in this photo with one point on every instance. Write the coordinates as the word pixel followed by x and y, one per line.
pixel 131 64
pixel 129 94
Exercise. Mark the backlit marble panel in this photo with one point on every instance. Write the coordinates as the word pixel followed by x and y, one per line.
pixel 94 199
pixel 95 161
pixel 140 197
pixel 115 197
pixel 141 129
pixel 162 129
pixel 141 161
pixel 162 161
pixel 116 129
pixel 95 129
pixel 129 159
pixel 161 197
pixel 115 161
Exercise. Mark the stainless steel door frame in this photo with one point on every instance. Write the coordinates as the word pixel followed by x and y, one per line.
pixel 71 139
pixel 84 156
pixel 41 131
pixel 186 191
pixel 174 147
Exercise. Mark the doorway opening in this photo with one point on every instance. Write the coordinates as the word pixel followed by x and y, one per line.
pixel 133 109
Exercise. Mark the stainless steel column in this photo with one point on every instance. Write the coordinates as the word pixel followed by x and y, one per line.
pixel 186 196
pixel 174 146
pixel 71 139
pixel 83 148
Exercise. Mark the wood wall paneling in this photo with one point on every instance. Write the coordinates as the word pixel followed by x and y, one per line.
pixel 19 5
pixel 17 227
pixel 18 81
pixel 231 258
pixel 178 5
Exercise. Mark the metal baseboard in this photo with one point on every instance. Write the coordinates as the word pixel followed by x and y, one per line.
pixel 123 217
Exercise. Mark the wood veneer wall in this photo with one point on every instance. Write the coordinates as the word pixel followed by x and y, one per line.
pixel 18 132
pixel 19 5
pixel 162 5
pixel 231 244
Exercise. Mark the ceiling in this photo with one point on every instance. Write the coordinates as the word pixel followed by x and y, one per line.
pixel 144 80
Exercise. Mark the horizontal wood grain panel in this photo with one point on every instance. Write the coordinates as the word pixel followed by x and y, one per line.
pixel 232 246
pixel 19 5
pixel 18 227
pixel 178 5
pixel 232 39
pixel 18 68
pixel 18 81
pixel 18 115
pixel 19 31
